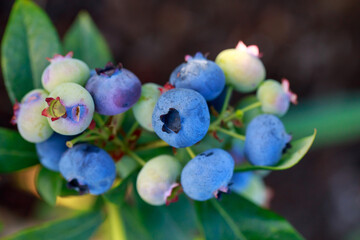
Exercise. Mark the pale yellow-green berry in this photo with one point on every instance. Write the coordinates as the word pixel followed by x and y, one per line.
pixel 32 126
pixel 143 109
pixel 157 179
pixel 242 70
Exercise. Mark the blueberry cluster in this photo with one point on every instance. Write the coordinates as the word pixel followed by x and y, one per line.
pixel 193 104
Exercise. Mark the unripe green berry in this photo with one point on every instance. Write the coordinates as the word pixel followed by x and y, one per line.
pixel 63 69
pixel 143 109
pixel 242 67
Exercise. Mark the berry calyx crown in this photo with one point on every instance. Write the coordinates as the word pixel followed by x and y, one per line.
pixel 109 69
pixel 286 87
pixel 55 109
pixel 59 57
pixel 251 49
pixel 198 56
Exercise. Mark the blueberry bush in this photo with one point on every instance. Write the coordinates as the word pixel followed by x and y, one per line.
pixel 163 162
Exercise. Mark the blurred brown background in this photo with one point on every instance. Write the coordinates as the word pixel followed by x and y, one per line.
pixel 315 44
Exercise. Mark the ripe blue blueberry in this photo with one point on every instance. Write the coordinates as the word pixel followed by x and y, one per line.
pixel 69 109
pixel 63 69
pixel 31 125
pixel 199 74
pixel 218 102
pixel 157 179
pixel 208 174
pixel 50 151
pixel 181 117
pixel 242 67
pixel 114 89
pixel 274 97
pixel 240 181
pixel 266 139
pixel 251 186
pixel 143 109
pixel 88 169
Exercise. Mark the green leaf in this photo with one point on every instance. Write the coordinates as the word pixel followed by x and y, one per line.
pixel 87 43
pixel 77 228
pixel 335 116
pixel 15 152
pixel 143 221
pixel 48 184
pixel 117 194
pixel 234 217
pixel 293 155
pixel 159 222
pixel 29 39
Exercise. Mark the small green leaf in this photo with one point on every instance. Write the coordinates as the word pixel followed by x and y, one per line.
pixel 76 228
pixel 117 194
pixel 29 39
pixel 15 152
pixel 87 43
pixel 234 217
pixel 48 184
pixel 293 155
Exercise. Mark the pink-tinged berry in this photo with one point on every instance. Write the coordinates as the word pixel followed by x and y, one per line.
pixel 275 98
pixel 31 125
pixel 242 67
pixel 63 69
pixel 69 109
pixel 157 179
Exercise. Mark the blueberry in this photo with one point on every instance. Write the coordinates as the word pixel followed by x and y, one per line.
pixel 88 169
pixel 274 97
pixel 50 151
pixel 237 150
pixel 114 89
pixel 181 117
pixel 199 74
pixel 266 139
pixel 240 181
pixel 250 186
pixel 207 174
pixel 157 179
pixel 69 108
pixel 31 125
pixel 218 102
pixel 242 67
pixel 144 108
pixel 64 69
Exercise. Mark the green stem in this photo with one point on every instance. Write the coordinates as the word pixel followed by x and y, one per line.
pixel 237 114
pixel 120 143
pixel 132 130
pixel 230 133
pixel 86 137
pixel 190 152
pixel 135 157
pixel 98 119
pixel 117 231
pixel 251 106
pixel 152 145
pixel 223 110
pixel 227 99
